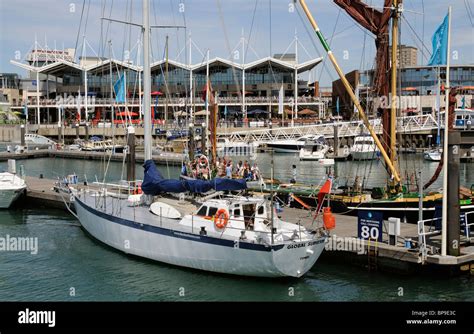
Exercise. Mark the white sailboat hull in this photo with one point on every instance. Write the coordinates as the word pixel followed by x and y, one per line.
pixel 198 251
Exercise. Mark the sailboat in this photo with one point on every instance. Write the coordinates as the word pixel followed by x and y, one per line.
pixel 395 200
pixel 203 228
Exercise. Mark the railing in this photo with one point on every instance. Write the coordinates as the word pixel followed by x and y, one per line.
pixel 407 124
pixel 179 101
pixel 422 234
pixel 467 225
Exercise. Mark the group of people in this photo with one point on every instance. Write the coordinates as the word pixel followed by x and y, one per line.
pixel 201 168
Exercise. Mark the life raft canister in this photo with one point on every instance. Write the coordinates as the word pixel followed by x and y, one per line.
pixel 221 218
pixel 328 219
pixel 138 190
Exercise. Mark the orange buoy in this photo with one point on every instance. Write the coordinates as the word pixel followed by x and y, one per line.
pixel 221 218
pixel 328 219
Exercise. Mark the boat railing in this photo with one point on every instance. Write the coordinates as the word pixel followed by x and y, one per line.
pixel 297 233
pixel 467 225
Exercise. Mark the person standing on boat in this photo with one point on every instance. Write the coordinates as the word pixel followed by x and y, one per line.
pixel 294 173
pixel 184 171
pixel 228 170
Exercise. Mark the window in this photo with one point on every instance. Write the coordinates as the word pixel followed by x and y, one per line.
pixel 236 212
pixel 202 211
pixel 212 212
pixel 261 210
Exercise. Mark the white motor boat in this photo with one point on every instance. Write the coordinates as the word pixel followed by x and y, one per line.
pixel 290 145
pixel 102 146
pixel 314 149
pixel 364 148
pixel 11 187
pixel 433 155
pixel 36 139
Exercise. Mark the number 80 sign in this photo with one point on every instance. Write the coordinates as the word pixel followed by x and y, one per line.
pixel 369 225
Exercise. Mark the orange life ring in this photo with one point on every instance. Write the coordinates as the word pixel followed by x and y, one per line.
pixel 221 218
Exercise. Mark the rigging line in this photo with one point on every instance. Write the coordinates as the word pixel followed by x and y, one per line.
pixel 251 29
pixel 87 17
pixel 414 32
pixel 234 72
pixel 423 28
pixel 270 24
pixel 469 11
pixel 80 24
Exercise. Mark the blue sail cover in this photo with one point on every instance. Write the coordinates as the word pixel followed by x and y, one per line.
pixel 154 183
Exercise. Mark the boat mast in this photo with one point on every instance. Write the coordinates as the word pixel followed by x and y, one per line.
pixel 444 219
pixel 166 82
pixel 393 111
pixel 350 91
pixel 146 79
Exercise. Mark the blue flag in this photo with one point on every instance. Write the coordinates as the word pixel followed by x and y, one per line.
pixel 119 89
pixel 440 44
pixel 25 110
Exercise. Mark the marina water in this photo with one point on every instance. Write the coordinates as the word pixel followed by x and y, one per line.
pixel 71 266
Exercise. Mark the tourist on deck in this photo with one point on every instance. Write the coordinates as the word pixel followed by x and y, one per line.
pixel 228 170
pixel 255 172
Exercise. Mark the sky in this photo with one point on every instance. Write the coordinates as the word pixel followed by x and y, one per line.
pixel 270 26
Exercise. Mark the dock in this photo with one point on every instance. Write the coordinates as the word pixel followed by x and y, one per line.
pixel 87 155
pixel 343 245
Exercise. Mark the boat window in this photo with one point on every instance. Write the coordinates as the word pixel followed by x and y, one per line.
pixel 212 212
pixel 261 210
pixel 202 211
pixel 236 212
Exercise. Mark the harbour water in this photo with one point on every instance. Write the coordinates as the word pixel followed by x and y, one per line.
pixel 70 265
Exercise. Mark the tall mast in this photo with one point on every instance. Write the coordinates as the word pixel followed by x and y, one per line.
pixel 190 81
pixel 393 111
pixel 206 130
pixel 350 91
pixel 444 220
pixel 146 79
pixel 166 82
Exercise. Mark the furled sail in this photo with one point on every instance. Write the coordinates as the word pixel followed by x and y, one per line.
pixel 154 183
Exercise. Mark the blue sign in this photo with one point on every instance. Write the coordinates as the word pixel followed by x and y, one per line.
pixel 33 82
pixel 369 225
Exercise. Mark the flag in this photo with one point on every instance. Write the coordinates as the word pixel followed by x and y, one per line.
pixel 204 93
pixel 439 42
pixel 337 106
pixel 25 110
pixel 119 89
pixel 325 189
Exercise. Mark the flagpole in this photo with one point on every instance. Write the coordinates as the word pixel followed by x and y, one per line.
pixel 444 220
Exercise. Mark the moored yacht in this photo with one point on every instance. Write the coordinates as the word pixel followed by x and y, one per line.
pixel 290 145
pixel 364 148
pixel 314 149
pixel 11 187
pixel 222 233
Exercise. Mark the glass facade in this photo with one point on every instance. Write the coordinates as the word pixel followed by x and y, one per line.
pixel 424 79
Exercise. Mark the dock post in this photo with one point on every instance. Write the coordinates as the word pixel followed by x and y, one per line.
pixel 204 139
pixel 22 135
pixel 87 131
pixel 77 130
pixel 130 154
pixel 59 132
pixel 336 140
pixel 454 140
